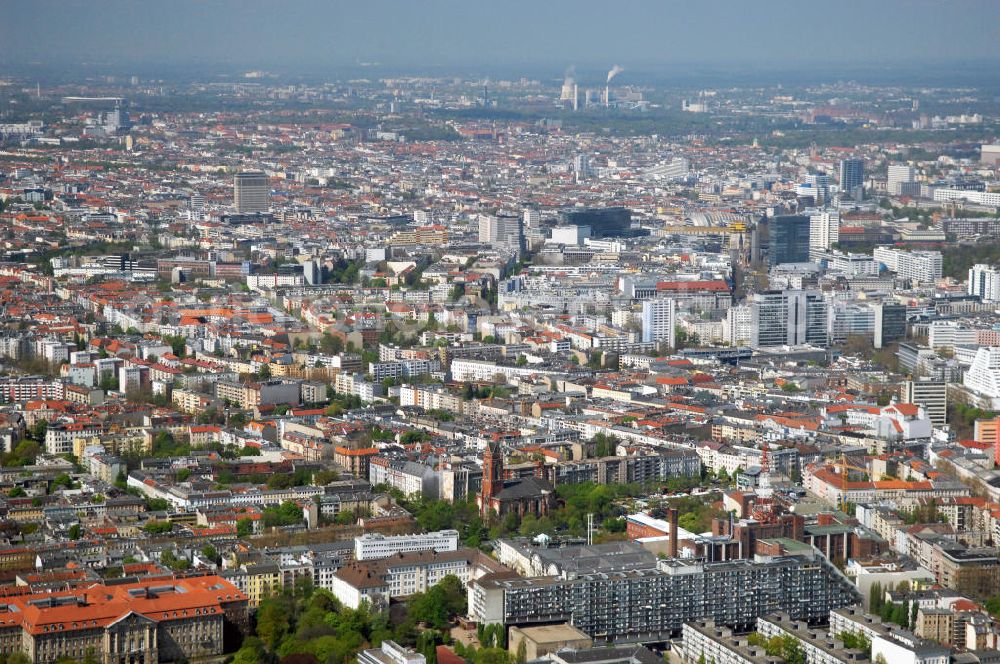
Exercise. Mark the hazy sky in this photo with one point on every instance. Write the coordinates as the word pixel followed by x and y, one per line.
pixel 556 33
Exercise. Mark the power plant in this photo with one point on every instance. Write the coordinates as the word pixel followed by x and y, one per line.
pixel 569 96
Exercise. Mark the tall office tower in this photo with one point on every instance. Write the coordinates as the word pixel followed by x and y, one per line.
pixel 659 321
pixel 505 232
pixel 312 271
pixel 852 176
pixel 788 318
pixel 487 228
pixel 510 233
pixel 932 395
pixel 890 324
pixel 820 182
pixel 581 167
pixel 984 281
pixel 899 177
pixel 824 229
pixel 117 120
pixel 532 218
pixel 788 240
pixel 197 203
pixel 250 192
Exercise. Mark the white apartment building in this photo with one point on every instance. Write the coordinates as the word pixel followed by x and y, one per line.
pixel 983 376
pixel 984 281
pixel 402 368
pixel 260 281
pixel 948 334
pixel 923 267
pixel 659 321
pixel 824 229
pixel 430 398
pixel 465 370
pixel 739 320
pixel 355 384
pixel 405 574
pixel 59 438
pixel 991 198
pixel 371 546
pixel 704 641
pixel 391 652
pixel 53 351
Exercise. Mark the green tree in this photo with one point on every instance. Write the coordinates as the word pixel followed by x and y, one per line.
pixel 38 430
pixel 604 445
pixel 210 552
pixel 286 514
pixel 272 623
pixel 250 652
pixel 244 527
pixel 157 504
pixel 158 527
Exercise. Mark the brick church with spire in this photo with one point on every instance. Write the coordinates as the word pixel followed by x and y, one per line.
pixel 501 496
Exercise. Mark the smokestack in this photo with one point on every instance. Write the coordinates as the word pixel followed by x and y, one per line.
pixel 615 70
pixel 576 97
pixel 672 551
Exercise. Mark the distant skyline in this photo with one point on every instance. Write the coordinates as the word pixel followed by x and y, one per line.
pixel 312 34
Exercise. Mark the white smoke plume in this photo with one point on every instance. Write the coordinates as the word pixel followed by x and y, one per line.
pixel 614 72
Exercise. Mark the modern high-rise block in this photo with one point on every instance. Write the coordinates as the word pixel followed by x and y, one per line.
pixel 788 239
pixel 505 232
pixel 532 218
pixel 984 281
pixel 312 271
pixel 924 267
pixel 250 192
pixel 983 376
pixel 890 324
pixel 932 395
pixel 820 185
pixel 898 177
pixel 852 176
pixel 824 229
pixel 659 321
pixel 640 605
pixel 788 318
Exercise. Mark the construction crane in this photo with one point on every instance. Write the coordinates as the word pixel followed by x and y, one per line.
pixel 844 467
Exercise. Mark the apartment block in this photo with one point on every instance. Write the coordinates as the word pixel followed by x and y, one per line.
pixel 372 546
pixel 653 603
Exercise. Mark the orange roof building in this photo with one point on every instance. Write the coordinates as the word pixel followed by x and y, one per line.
pixel 157 619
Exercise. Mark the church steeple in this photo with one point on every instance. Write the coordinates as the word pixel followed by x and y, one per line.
pixel 492 475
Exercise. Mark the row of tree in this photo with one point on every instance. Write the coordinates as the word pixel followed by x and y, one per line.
pixel 309 625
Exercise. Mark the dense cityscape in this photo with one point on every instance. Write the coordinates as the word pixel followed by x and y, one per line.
pixel 575 365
